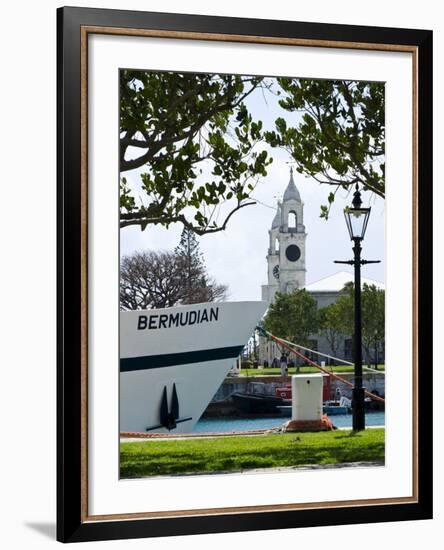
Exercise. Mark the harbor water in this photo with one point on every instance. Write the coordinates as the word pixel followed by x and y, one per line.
pixel 227 425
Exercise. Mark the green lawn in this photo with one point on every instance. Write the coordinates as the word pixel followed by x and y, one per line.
pixel 237 453
pixel 302 370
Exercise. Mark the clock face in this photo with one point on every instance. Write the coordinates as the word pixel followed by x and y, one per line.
pixel 293 253
pixel 276 272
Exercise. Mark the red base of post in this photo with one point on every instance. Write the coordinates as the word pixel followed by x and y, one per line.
pixel 322 425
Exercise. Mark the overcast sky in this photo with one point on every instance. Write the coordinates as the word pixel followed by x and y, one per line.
pixel 237 256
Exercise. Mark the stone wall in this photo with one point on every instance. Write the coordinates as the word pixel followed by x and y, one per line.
pixel 243 384
pixel 371 382
pixel 268 385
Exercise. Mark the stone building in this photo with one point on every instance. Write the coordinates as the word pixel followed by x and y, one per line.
pixel 286 272
pixel 286 251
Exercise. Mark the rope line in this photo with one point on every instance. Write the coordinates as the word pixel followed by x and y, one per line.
pixel 286 345
pixel 331 356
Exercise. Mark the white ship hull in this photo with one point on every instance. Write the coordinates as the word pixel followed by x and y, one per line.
pixel 172 361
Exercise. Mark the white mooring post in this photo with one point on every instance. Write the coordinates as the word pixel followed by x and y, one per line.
pixel 306 397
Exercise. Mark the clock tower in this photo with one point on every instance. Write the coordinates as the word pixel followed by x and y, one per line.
pixel 286 252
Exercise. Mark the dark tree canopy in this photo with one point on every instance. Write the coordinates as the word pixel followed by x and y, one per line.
pixel 331 325
pixel 340 140
pixel 373 314
pixel 188 250
pixel 197 285
pixel 196 144
pixel 293 316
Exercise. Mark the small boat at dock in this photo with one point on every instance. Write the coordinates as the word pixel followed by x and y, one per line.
pixel 334 406
pixel 330 408
pixel 256 401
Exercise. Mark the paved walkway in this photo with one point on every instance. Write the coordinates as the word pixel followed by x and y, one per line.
pixel 279 470
pixel 287 469
pixel 128 437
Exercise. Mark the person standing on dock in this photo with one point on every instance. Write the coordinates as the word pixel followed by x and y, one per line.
pixel 284 368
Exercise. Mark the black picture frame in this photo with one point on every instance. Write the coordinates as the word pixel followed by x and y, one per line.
pixel 73 523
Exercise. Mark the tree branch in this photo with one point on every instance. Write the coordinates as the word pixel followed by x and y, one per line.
pixel 140 218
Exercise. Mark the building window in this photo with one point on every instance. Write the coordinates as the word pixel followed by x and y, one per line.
pixel 292 220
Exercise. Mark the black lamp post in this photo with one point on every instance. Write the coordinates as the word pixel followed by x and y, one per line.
pixel 357 219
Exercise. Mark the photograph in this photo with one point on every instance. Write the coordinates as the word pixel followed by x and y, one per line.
pixel 252 273
pixel 221 278
pixel 244 265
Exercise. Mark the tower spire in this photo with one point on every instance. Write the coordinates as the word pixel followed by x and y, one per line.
pixel 286 251
pixel 291 193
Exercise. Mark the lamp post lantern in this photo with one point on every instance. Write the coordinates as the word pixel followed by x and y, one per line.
pixel 356 217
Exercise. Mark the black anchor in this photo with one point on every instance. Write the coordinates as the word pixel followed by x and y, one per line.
pixel 169 418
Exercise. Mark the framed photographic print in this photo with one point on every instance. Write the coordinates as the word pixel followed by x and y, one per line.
pixel 244 274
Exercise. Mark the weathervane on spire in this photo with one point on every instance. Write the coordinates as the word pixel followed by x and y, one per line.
pixel 291 162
